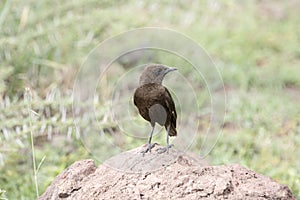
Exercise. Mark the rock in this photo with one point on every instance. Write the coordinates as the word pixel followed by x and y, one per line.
pixel 176 175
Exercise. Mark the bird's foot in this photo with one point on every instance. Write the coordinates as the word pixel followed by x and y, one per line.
pixel 164 149
pixel 150 146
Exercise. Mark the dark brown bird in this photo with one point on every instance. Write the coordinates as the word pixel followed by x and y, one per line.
pixel 155 103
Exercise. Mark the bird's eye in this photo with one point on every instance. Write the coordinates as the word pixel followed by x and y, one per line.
pixel 158 71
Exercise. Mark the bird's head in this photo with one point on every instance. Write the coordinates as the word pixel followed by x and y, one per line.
pixel 155 73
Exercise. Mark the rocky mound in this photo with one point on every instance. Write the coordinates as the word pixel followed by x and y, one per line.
pixel 176 175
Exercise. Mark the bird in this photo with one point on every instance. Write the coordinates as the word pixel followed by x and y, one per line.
pixel 155 103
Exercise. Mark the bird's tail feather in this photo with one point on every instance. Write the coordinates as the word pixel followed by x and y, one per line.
pixel 172 131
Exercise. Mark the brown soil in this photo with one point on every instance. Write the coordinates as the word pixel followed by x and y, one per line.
pixel 176 175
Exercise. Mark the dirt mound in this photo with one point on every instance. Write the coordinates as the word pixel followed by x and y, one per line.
pixel 176 175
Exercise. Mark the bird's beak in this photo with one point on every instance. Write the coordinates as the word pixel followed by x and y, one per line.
pixel 170 69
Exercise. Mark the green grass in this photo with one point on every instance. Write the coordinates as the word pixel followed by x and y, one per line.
pixel 43 44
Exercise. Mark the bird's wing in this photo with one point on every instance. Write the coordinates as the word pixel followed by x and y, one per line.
pixel 162 95
pixel 170 106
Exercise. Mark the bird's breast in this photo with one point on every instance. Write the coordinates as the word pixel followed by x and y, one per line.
pixel 148 99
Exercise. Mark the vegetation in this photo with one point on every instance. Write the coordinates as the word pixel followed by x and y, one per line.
pixel 255 45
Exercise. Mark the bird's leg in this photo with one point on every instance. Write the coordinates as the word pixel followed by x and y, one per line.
pixel 150 146
pixel 166 149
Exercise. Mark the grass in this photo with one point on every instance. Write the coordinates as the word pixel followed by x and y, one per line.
pixel 42 45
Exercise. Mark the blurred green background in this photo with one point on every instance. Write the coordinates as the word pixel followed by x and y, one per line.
pixel 254 43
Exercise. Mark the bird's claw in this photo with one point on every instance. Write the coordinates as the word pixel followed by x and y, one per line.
pixel 164 149
pixel 150 146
